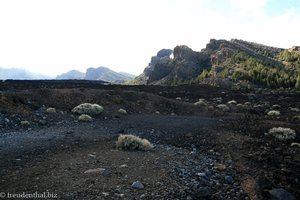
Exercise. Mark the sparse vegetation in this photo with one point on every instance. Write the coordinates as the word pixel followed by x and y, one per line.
pixel 232 102
pixel 122 111
pixel 201 102
pixel 88 108
pixel 51 110
pixel 296 118
pixel 282 133
pixel 25 123
pixel 295 109
pixel 276 107
pixel 131 142
pixel 273 113
pixel 84 118
pixel 178 140
pixel 223 107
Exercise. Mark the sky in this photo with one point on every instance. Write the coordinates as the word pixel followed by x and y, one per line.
pixel 54 36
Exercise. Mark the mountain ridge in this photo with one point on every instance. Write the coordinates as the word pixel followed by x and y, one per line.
pixel 222 62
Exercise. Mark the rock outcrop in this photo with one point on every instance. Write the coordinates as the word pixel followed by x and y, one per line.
pixel 223 62
pixel 184 64
pixel 162 57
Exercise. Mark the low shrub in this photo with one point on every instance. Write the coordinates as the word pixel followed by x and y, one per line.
pixel 131 142
pixel 201 102
pixel 276 107
pixel 295 109
pixel 85 118
pixel 296 118
pixel 88 108
pixel 232 102
pixel 223 107
pixel 25 123
pixel 282 133
pixel 273 113
pixel 51 110
pixel 122 111
pixel 247 103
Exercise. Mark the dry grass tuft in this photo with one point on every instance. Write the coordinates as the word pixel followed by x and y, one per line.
pixel 25 123
pixel 88 108
pixel 131 142
pixel 51 110
pixel 282 133
pixel 273 113
pixel 122 111
pixel 84 118
pixel 223 107
pixel 201 102
pixel 232 102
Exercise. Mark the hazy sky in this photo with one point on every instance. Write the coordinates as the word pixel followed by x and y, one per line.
pixel 54 36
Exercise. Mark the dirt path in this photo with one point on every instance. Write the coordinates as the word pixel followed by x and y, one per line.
pixel 55 158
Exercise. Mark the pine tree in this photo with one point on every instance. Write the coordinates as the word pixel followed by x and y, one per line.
pixel 297 85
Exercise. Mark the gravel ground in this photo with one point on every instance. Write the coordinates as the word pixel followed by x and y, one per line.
pixel 199 152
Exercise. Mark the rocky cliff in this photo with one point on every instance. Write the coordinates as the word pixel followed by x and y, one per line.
pixel 225 62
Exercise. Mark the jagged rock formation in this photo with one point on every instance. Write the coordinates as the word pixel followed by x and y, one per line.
pixel 162 56
pixel 225 62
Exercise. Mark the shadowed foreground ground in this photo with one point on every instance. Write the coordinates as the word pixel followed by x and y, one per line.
pixel 201 152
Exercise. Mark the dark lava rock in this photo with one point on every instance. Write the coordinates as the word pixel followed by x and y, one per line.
pixel 42 122
pixel 228 179
pixel 281 194
pixel 202 192
pixel 137 185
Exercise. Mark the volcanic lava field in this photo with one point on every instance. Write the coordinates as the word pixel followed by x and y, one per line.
pixel 208 142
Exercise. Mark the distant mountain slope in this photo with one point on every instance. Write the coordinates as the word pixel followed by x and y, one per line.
pixel 21 74
pixel 222 62
pixel 100 73
pixel 106 74
pixel 73 74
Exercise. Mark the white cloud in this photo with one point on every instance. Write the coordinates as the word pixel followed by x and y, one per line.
pixel 53 36
pixel 249 7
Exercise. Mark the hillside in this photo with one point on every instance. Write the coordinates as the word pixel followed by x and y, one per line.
pixel 229 63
